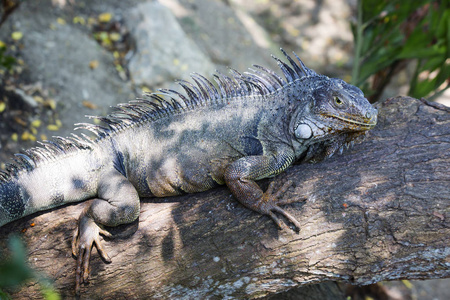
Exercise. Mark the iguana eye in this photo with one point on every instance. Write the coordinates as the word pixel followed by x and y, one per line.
pixel 338 101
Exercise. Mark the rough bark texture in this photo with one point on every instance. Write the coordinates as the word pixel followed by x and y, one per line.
pixel 380 211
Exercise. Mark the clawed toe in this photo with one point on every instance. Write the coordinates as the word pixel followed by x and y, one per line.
pixel 85 236
pixel 271 202
pixel 277 221
pixel 290 217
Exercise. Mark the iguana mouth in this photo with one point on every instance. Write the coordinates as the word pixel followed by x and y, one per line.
pixel 359 124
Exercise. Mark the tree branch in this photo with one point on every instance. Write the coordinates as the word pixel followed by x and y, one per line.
pixel 380 211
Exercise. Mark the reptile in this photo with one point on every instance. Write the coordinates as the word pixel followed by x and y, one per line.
pixel 245 127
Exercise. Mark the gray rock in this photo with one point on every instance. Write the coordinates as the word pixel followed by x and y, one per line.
pixel 59 56
pixel 25 101
pixel 219 32
pixel 163 52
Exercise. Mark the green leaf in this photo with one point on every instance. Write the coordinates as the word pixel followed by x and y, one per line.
pixel 431 51
pixel 49 292
pixel 391 33
pixel 14 269
pixel 433 63
pixel 425 87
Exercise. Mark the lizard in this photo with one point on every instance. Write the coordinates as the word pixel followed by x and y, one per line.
pixel 245 127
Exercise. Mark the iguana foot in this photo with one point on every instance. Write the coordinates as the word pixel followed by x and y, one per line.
pixel 85 236
pixel 270 203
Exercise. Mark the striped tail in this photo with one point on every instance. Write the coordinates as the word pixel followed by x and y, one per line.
pixel 42 179
pixel 12 204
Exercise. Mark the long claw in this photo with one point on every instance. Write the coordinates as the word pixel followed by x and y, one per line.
pixel 75 242
pixel 280 224
pixel 102 250
pixel 85 271
pixel 85 236
pixel 288 216
pixel 78 272
pixel 271 202
pixel 283 189
pixel 270 188
pixel 104 232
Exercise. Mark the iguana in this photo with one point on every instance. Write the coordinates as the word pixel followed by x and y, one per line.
pixel 244 128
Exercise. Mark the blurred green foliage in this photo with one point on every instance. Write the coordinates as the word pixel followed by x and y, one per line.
pixel 14 271
pixel 390 33
pixel 6 61
pixel 6 8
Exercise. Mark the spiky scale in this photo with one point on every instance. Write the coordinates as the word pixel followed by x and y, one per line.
pixel 171 93
pixel 259 82
pixel 275 76
pixel 287 71
pixel 306 71
pixel 210 88
pixel 221 84
pixel 297 69
pixel 203 95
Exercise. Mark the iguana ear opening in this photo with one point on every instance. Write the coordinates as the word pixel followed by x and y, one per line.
pixel 303 131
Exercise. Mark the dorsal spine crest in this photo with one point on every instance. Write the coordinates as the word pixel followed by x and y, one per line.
pixel 259 81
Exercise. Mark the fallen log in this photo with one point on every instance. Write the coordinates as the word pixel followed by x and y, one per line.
pixel 380 211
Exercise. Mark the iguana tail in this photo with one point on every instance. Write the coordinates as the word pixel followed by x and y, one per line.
pixel 42 179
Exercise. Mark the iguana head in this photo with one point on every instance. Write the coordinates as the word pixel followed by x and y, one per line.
pixel 326 112
pixel 332 107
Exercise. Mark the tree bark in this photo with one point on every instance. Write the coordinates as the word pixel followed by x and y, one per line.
pixel 380 211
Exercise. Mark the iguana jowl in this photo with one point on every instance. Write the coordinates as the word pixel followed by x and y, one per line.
pixel 246 127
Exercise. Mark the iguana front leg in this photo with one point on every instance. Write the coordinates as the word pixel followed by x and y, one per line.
pixel 117 203
pixel 240 178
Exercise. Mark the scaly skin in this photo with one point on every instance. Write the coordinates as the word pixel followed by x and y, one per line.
pixel 248 127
